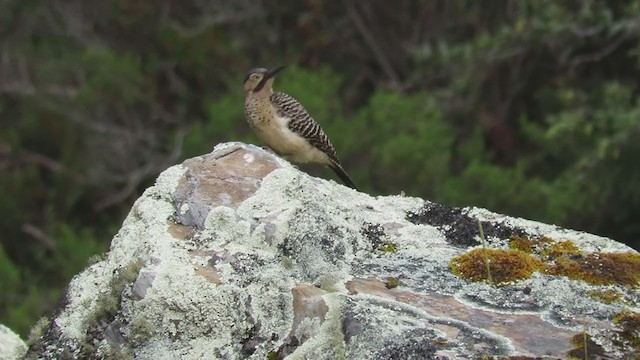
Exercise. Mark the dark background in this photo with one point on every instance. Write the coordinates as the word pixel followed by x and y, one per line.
pixel 528 108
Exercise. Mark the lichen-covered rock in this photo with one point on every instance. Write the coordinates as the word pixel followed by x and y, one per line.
pixel 11 345
pixel 236 254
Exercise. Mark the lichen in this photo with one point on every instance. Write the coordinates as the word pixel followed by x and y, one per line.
pixel 376 234
pixel 94 259
pixel 124 276
pixel 108 304
pixel 141 330
pixel 505 265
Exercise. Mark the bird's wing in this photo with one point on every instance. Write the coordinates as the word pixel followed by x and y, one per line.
pixel 303 124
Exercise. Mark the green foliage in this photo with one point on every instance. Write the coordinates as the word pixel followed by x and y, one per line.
pixel 402 130
pixel 9 276
pixel 115 75
pixel 588 153
pixel 74 246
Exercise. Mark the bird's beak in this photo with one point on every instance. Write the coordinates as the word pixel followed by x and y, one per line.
pixel 268 75
pixel 271 73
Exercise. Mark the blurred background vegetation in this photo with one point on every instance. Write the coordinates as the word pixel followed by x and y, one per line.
pixel 528 108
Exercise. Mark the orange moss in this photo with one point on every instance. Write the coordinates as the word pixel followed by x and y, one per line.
pixel 504 265
pixel 522 243
pixel 559 258
pixel 561 248
pixel 599 268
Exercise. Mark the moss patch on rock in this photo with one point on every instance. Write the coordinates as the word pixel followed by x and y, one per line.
pixel 555 249
pixel 606 296
pixel 504 265
pixel 559 258
pixel 599 268
pixel 392 283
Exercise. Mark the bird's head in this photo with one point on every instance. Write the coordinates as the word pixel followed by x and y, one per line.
pixel 260 78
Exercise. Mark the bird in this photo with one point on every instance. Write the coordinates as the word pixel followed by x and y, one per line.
pixel 283 124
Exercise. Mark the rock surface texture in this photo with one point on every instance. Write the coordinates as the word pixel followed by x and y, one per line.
pixel 237 254
pixel 11 346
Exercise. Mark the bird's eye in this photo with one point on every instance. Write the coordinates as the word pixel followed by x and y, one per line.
pixel 255 77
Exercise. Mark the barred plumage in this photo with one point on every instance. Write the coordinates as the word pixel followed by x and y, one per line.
pixel 285 126
pixel 302 123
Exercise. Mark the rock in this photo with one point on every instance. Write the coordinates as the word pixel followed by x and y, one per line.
pixel 237 254
pixel 11 345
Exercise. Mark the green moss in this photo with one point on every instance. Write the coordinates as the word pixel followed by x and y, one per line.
pixel 606 296
pixel 599 268
pixel 629 324
pixel 388 246
pixel 108 304
pixel 141 329
pixel 392 283
pixel 585 348
pixel 505 265
pixel 38 330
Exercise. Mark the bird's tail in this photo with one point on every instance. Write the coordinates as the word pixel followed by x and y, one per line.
pixel 337 168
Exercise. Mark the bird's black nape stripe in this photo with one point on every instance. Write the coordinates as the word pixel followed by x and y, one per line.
pixel 261 84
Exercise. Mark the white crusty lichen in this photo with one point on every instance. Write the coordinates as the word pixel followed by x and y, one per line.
pixel 11 345
pixel 144 229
